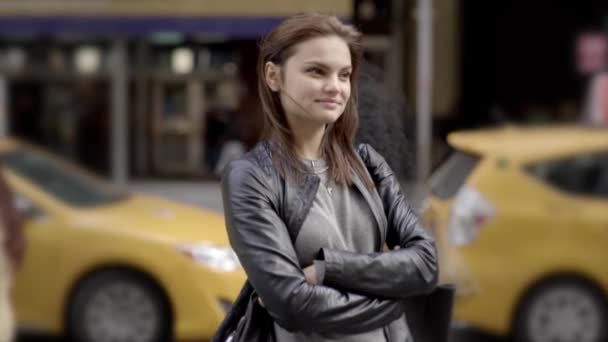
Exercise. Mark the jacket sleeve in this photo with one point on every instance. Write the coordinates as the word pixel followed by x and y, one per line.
pixel 410 270
pixel 262 243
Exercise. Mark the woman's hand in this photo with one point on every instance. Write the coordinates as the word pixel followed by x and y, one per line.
pixel 310 273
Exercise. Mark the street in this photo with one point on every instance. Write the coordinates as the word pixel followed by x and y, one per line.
pixel 458 335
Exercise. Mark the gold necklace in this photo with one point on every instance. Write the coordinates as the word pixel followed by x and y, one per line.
pixel 329 188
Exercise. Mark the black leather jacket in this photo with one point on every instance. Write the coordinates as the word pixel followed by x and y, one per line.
pixel 360 292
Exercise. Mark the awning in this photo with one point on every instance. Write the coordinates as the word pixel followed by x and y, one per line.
pixel 231 19
pixel 229 27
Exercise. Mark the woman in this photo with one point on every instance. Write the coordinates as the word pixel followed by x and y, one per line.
pixel 307 214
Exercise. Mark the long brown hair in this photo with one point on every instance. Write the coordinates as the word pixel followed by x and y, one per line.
pixel 337 143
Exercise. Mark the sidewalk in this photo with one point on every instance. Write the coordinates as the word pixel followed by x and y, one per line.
pixel 201 194
pixel 208 194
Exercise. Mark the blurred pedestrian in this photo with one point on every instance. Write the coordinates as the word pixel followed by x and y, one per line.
pixel 231 150
pixel 308 214
pixel 12 247
pixel 385 121
pixel 597 101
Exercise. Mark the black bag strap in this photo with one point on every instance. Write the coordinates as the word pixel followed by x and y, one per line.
pixel 232 318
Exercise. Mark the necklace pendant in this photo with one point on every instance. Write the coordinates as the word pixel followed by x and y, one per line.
pixel 329 189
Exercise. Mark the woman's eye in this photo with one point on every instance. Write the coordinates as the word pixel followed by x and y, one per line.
pixel 345 75
pixel 315 71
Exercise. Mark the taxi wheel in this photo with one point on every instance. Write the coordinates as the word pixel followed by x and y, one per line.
pixel 118 305
pixel 565 309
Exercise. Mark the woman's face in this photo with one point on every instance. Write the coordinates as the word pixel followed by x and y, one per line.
pixel 314 83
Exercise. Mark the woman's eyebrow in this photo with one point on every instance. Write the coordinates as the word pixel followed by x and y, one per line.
pixel 325 66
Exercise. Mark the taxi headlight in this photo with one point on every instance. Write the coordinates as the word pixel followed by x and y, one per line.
pixel 217 257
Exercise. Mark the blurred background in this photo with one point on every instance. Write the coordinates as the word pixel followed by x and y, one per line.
pixel 117 117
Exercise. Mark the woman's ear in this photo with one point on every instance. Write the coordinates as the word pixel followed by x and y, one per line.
pixel 272 75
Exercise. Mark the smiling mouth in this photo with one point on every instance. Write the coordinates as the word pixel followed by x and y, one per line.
pixel 328 102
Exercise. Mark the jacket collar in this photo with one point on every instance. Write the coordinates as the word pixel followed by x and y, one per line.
pixel 375 203
pixel 297 199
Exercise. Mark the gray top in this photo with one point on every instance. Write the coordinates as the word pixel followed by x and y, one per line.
pixel 339 218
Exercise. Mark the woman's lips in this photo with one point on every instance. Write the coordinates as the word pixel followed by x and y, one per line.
pixel 329 104
pixel 329 101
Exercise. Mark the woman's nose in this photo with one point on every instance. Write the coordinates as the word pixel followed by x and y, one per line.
pixel 331 84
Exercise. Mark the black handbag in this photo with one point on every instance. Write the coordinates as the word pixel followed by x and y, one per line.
pixel 429 316
pixel 247 321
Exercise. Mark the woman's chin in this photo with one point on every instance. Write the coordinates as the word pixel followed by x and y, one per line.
pixel 329 117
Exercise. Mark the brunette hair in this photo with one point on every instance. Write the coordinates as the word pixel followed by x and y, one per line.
pixel 337 144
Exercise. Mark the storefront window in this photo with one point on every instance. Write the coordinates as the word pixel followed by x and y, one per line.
pixel 15 58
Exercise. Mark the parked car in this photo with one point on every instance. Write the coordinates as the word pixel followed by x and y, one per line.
pixel 103 264
pixel 521 220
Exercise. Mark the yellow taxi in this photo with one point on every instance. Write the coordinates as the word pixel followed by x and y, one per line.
pixel 521 221
pixel 103 264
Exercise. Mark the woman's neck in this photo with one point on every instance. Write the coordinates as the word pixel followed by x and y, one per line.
pixel 307 140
